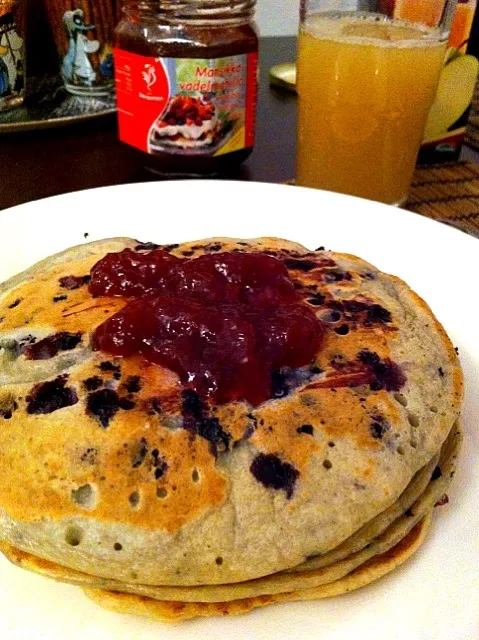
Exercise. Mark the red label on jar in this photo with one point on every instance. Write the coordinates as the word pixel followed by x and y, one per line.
pixel 188 106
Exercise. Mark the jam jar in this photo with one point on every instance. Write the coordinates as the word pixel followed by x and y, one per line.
pixel 186 79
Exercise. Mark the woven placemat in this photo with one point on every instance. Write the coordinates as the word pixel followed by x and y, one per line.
pixel 448 193
pixel 472 131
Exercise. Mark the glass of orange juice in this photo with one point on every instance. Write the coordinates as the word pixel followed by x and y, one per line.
pixel 367 74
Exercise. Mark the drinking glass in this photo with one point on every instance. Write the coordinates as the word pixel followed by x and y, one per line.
pixel 368 71
pixel 83 31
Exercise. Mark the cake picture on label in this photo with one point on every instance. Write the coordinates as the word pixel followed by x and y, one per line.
pixel 191 123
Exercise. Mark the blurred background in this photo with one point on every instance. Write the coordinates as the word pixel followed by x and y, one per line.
pixel 274 17
pixel 278 17
pixel 281 17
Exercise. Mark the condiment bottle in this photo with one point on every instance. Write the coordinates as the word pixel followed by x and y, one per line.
pixel 186 79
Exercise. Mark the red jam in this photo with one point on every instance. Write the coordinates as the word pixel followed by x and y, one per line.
pixel 225 323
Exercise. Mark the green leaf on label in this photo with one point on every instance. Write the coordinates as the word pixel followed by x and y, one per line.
pixel 186 69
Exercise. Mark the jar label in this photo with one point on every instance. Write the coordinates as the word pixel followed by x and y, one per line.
pixel 188 106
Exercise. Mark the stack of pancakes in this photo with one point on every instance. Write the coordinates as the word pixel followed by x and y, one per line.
pixel 320 490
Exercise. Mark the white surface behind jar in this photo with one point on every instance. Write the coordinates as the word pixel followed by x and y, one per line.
pixel 277 17
pixel 281 17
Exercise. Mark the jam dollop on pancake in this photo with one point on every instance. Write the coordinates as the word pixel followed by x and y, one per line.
pixel 226 323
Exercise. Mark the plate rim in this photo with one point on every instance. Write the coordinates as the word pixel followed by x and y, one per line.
pixel 248 184
pixel 54 123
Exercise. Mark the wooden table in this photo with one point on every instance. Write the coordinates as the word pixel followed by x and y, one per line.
pixel 50 162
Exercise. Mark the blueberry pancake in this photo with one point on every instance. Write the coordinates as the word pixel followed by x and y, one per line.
pixel 219 421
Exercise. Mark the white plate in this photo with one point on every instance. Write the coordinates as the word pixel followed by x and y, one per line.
pixel 435 596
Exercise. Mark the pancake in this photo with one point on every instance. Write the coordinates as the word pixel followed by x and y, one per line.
pixel 125 493
pixel 348 557
pixel 168 611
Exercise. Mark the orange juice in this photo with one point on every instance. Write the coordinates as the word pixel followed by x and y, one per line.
pixel 365 88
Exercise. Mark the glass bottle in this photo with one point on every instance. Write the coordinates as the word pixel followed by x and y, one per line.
pixel 186 77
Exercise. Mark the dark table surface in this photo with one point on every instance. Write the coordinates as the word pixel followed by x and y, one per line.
pixel 45 163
